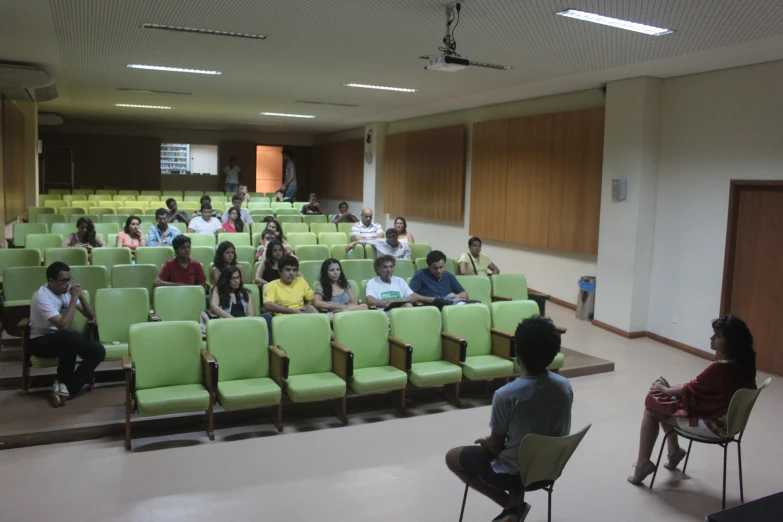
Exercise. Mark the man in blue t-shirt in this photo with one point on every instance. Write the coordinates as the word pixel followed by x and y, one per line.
pixel 537 401
pixel 434 282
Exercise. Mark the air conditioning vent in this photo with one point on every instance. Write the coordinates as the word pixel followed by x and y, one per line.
pixel 21 82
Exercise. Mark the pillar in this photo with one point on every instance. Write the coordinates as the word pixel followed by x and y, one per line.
pixel 374 175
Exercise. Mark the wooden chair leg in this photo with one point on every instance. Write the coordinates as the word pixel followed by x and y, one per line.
pixel 398 399
pixel 128 411
pixel 91 387
pixel 277 415
pixel 25 378
pixel 451 393
pixel 211 420
pixel 339 408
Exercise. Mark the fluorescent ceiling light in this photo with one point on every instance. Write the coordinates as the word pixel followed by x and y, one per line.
pixel 141 106
pixel 170 69
pixel 202 31
pixel 283 115
pixel 379 87
pixel 615 22
pixel 153 91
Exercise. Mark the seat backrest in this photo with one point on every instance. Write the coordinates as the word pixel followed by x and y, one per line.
pixel 470 322
pixel 92 278
pixel 85 191
pixel 34 212
pixel 312 253
pixel 135 276
pixel 420 250
pixel 118 219
pixel 358 269
pixel 110 256
pixel 298 239
pixel 319 218
pixel 338 252
pixel 102 211
pixel 74 197
pixel 365 333
pixel 405 269
pixel 288 215
pixel 289 228
pixel 345 228
pixel 166 354
pixel 51 219
pixel 245 254
pixel 478 288
pixel 740 407
pixel 150 193
pixel 69 256
pixel 116 309
pixel 506 315
pixel 179 303
pixel 42 242
pixel 18 257
pixel 543 458
pixel 154 255
pixel 110 192
pixel 73 218
pixel 204 255
pixel 333 238
pixel 205 240
pixel 510 285
pixel 280 204
pixel 20 283
pixel 59 191
pixel 67 212
pixel 133 193
pixel 130 211
pixel 20 231
pixel 306 338
pixel 319 228
pixel 56 203
pixel 311 271
pixel 182 227
pixel 235 238
pixel 419 327
pixel 147 198
pixel 255 295
pixel 99 197
pixel 63 229
pixel 240 347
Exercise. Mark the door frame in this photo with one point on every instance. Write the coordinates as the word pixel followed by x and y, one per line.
pixel 737 186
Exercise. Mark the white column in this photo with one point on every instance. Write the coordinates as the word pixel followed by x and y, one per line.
pixel 374 174
pixel 631 143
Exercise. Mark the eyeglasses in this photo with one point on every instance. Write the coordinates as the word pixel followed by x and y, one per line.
pixel 64 281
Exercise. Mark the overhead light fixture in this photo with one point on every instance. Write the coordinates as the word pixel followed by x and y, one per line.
pixel 379 87
pixel 284 115
pixel 170 69
pixel 202 31
pixel 153 91
pixel 331 104
pixel 264 124
pixel 141 106
pixel 615 22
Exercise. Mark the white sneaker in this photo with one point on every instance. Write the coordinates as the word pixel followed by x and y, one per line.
pixel 56 399
pixel 61 390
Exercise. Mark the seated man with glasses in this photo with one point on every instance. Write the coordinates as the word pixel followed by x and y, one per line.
pixel 52 309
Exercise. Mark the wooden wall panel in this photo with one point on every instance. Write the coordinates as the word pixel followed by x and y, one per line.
pixel 269 168
pixel 575 184
pixel 396 164
pixel 488 179
pixel 13 159
pixel 527 188
pixel 338 169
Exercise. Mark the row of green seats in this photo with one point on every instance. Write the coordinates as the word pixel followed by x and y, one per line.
pixel 158 193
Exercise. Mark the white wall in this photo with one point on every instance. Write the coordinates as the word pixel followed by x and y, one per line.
pixel 204 158
pixel 715 127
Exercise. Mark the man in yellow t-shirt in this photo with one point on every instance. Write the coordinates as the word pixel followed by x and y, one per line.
pixel 476 262
pixel 289 294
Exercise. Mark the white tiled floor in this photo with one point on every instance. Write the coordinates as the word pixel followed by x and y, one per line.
pixel 394 470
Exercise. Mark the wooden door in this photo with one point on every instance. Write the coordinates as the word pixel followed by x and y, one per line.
pixel 269 168
pixel 753 278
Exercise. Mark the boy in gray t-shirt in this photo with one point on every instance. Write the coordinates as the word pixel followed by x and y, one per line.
pixel 537 401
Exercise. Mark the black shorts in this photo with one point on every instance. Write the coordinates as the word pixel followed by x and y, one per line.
pixel 476 460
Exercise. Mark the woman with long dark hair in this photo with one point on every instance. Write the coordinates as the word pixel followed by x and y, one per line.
pixel 229 298
pixel 268 269
pixel 234 222
pixel 403 236
pixel 225 255
pixel 84 237
pixel 131 236
pixel 699 406
pixel 333 292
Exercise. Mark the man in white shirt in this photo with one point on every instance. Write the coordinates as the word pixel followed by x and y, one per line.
pixel 366 229
pixel 389 246
pixel 200 225
pixel 244 215
pixel 387 290
pixel 232 174
pixel 51 312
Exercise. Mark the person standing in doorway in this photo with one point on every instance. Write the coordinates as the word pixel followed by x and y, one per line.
pixel 289 179
pixel 232 174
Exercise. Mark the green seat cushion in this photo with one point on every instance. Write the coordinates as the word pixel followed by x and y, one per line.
pixel 483 367
pixel 44 362
pixel 244 394
pixel 18 302
pixel 172 399
pixel 315 387
pixel 380 379
pixel 557 363
pixel 434 373
pixel 115 352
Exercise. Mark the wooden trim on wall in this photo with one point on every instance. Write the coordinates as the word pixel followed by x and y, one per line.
pixel 554 300
pixel 618 331
pixel 680 346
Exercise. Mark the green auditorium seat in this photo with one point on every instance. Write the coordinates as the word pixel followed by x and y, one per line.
pixel 43 242
pixel 421 263
pixel 289 228
pixel 110 256
pixel 106 192
pixel 124 198
pixel 312 253
pixel 277 205
pixel 316 371
pixel 83 191
pixel 178 303
pixel 255 295
pixel 67 212
pixel 235 238
pixel 92 278
pixel 99 197
pixel 313 219
pixel 345 228
pixel 488 351
pixel 288 218
pixel 60 192
pixel 19 285
pixel 118 219
pixel 311 271
pixel 34 212
pixel 379 365
pixel 201 240
pixel 165 371
pixel 478 288
pixel 135 276
pixel 318 228
pixel 20 231
pixel 148 198
pixel 130 211
pixel 69 256
pixel 182 227
pixel 404 268
pixel 245 254
pixel 339 252
pixel 116 310
pixel 133 193
pixel 506 316
pixel 64 229
pixel 204 255
pixel 239 348
pixel 50 219
pixel 420 250
pixel 79 324
pixel 154 255
pixel 70 198
pixel 17 257
pixel 103 212
pixel 509 287
pixel 436 357
pixel 333 238
pixel 56 204
pixel 298 239
pixel 358 269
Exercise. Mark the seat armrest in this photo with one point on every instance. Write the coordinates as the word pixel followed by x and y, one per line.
pixel 127 363
pixel 502 343
pixel 154 317
pixel 561 329
pixel 400 354
pixel 210 371
pixel 278 364
pixel 130 381
pixel 24 324
pixel 501 298
pixel 543 296
pixel 454 348
pixel 342 361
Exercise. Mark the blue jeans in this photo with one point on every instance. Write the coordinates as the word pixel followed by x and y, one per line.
pixel 290 192
pixel 268 318
pixel 232 187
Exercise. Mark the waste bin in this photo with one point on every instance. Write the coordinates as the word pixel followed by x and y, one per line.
pixel 585 305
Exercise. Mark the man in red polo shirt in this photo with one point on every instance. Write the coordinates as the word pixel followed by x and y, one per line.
pixel 181 271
